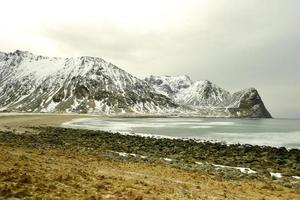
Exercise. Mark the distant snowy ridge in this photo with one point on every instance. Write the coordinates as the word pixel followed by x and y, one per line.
pixel 33 83
pixel 208 99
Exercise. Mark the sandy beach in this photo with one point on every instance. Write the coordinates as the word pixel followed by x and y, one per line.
pixel 20 122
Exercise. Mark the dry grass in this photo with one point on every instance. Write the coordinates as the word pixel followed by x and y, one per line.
pixel 51 174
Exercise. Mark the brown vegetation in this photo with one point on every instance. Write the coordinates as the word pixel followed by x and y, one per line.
pixel 50 174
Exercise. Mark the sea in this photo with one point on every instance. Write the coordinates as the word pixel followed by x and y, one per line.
pixel 267 132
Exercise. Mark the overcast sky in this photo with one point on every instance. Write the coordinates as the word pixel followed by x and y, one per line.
pixel 236 44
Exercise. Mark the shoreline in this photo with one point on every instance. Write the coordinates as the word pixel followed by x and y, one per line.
pixel 10 120
pixel 19 122
pixel 263 159
pixel 76 124
pixel 132 115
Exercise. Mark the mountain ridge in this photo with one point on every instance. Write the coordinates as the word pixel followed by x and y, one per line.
pixel 204 95
pixel 73 85
pixel 35 83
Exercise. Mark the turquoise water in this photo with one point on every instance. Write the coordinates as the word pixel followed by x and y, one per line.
pixel 270 132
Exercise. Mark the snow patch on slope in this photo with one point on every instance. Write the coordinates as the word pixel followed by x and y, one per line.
pixel 83 84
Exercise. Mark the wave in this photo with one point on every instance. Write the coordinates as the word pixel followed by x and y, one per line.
pixel 231 132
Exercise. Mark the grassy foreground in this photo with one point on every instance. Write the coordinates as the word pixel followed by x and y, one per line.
pixel 41 162
pixel 50 174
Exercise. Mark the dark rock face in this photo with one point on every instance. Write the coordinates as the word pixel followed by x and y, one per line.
pixel 250 105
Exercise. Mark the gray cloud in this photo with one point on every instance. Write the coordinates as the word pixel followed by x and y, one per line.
pixel 239 44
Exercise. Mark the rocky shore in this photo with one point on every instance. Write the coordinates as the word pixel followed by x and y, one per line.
pixel 218 159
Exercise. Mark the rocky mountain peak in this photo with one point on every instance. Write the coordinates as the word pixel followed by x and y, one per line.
pixel 82 84
pixel 21 53
pixel 210 99
pixel 169 85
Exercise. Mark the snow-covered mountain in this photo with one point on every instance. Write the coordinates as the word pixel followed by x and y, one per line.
pixel 85 84
pixel 207 99
pixel 32 83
